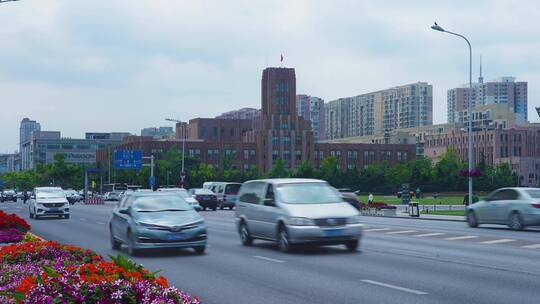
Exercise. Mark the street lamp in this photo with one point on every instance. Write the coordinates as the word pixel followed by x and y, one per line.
pixel 437 27
pixel 182 175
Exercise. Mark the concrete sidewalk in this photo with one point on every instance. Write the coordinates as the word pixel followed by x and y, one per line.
pixel 428 217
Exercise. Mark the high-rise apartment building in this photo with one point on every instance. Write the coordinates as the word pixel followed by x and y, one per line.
pixel 243 113
pixel 26 129
pixel 312 109
pixel 378 112
pixel 160 132
pixel 504 90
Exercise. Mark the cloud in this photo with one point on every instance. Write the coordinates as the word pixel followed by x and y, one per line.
pixel 79 66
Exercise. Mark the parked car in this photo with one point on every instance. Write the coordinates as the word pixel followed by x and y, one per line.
pixel 515 207
pixel 226 193
pixel 8 195
pixel 296 211
pixel 185 195
pixel 112 196
pixel 48 201
pixel 350 197
pixel 205 197
pixel 145 220
pixel 72 196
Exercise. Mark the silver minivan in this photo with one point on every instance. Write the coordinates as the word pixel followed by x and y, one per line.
pixel 296 211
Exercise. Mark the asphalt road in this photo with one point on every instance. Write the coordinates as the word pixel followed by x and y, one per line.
pixel 400 261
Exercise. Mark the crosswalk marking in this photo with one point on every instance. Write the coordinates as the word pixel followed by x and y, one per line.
pixel 430 234
pixel 498 241
pixel 465 237
pixel 377 229
pixel 533 246
pixel 401 232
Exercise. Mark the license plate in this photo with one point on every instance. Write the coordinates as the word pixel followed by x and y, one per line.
pixel 333 232
pixel 54 210
pixel 176 237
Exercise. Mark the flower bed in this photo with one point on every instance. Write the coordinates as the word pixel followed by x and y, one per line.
pixel 48 272
pixel 11 235
pixel 13 221
pixel 378 206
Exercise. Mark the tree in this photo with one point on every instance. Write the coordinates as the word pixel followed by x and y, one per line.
pixel 279 170
pixel 305 170
pixel 330 171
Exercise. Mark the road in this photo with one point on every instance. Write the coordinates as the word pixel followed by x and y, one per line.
pixel 400 261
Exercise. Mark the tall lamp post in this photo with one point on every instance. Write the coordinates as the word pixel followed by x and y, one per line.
pixel 437 27
pixel 183 173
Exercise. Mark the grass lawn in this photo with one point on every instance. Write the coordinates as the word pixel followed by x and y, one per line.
pixel 447 212
pixel 444 200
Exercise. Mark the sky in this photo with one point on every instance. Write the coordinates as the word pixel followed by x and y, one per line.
pixel 122 65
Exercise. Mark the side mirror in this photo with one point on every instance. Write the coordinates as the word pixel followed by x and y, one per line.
pixel 269 202
pixel 123 211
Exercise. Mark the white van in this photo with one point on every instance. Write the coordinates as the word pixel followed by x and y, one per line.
pixel 47 201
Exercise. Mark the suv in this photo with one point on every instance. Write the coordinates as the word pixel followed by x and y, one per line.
pixel 226 193
pixel 296 211
pixel 47 201
pixel 72 196
pixel 9 195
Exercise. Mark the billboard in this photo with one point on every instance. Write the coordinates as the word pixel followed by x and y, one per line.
pixel 127 159
pixel 72 157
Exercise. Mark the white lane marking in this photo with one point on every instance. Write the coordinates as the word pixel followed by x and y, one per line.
pixel 417 292
pixel 430 234
pixel 100 223
pixel 268 259
pixel 534 246
pixel 498 241
pixel 401 232
pixel 82 219
pixel 377 229
pixel 465 237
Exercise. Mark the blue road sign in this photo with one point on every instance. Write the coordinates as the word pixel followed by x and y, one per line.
pixel 152 181
pixel 127 159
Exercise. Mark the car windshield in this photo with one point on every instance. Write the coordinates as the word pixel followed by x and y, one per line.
pixel 308 193
pixel 533 193
pixel 9 192
pixel 160 204
pixel 232 188
pixel 203 192
pixel 50 194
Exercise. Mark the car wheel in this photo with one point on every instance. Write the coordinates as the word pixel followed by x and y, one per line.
pixel 131 245
pixel 214 209
pixel 115 244
pixel 230 207
pixel 204 208
pixel 516 223
pixel 221 207
pixel 283 240
pixel 352 245
pixel 245 237
pixel 199 249
pixel 66 216
pixel 472 220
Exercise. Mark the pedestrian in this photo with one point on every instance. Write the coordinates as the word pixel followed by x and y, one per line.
pixel 370 198
pixel 25 196
pixel 466 200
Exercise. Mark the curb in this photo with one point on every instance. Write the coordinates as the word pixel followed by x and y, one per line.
pixel 421 218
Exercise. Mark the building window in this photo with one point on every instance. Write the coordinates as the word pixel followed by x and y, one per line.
pixel 298 155
pixel 287 155
pixel 231 132
pixel 275 154
pixel 287 141
pixel 246 154
pixel 275 141
pixel 195 153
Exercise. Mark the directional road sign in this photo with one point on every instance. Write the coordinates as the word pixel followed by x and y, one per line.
pixel 127 159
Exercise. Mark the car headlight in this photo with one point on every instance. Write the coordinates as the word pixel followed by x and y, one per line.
pixel 300 221
pixel 357 219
